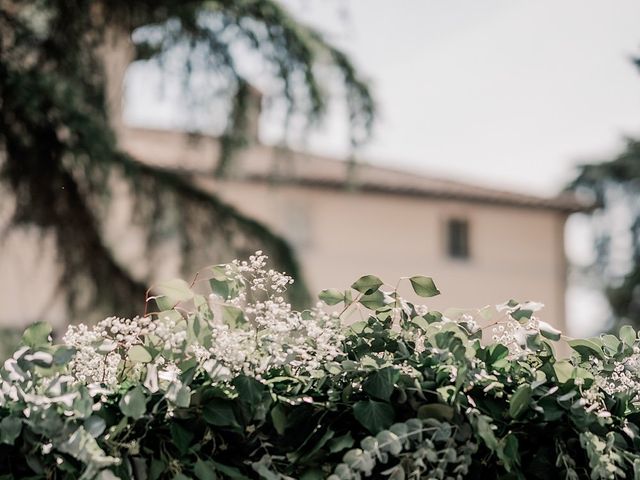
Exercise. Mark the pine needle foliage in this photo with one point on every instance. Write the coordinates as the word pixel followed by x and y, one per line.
pixel 59 153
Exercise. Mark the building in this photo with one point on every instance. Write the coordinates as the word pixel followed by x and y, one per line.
pixel 481 245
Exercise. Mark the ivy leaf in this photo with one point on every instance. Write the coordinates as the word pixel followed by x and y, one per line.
pixel 249 389
pixel 133 404
pixel 220 413
pixel 519 402
pixel 367 284
pixel 37 335
pixel 373 301
pixel 173 292
pixel 373 415
pixel 181 437
pixel 521 314
pixel 586 347
pixel 139 354
pixel 279 419
pixel 549 332
pixel 424 286
pixel 331 296
pixel 380 384
pixel 563 370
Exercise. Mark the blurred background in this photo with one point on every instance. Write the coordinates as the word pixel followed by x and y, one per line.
pixel 489 144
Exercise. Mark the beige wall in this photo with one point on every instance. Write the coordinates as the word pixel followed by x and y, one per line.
pixel 515 252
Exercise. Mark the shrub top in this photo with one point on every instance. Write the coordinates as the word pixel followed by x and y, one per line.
pixel 233 383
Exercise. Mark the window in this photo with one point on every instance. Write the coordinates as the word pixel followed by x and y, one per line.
pixel 458 238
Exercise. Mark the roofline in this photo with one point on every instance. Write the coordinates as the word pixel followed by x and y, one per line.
pixel 566 206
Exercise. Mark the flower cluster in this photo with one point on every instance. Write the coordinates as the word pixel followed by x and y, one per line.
pixel 271 334
pixel 515 324
pixel 100 349
pixel 252 331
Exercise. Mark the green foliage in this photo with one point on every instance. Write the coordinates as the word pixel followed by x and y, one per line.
pixel 614 186
pixel 408 393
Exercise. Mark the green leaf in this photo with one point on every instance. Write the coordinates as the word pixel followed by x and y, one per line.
pixel 563 370
pixel 279 418
pixel 380 384
pixel 549 332
pixel 519 402
pixel 341 443
pixel 133 404
pixel 521 314
pixel 63 355
pixel 373 415
pixel 220 413
pixel 181 437
pixel 204 470
pixel 139 354
pixel 482 424
pixel 496 352
pixel 367 284
pixel 37 335
pixel 95 425
pixel 373 301
pixel 221 285
pixel 10 429
pixel 156 469
pixel 232 316
pixel 424 286
pixel 508 452
pixel 313 474
pixel 174 291
pixel 231 472
pixel 331 296
pixel 586 347
pixel 249 389
pixel 439 411
pixel 628 335
pixel 610 342
pixel 311 453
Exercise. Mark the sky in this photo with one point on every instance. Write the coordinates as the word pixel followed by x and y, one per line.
pixel 508 93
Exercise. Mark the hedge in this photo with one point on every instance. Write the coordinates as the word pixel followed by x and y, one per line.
pixel 226 380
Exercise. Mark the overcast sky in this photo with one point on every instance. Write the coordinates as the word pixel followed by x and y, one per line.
pixel 511 93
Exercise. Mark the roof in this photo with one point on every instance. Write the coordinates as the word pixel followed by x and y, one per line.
pixel 260 163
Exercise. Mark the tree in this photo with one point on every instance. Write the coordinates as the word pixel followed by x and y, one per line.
pixel 58 125
pixel 615 188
